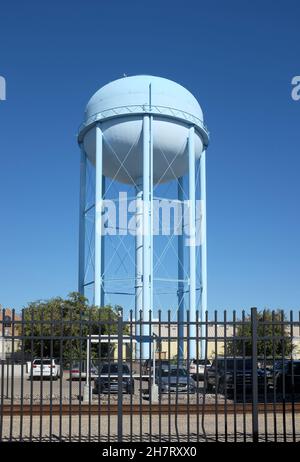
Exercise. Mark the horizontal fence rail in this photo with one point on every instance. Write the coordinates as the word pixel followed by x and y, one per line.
pixel 68 375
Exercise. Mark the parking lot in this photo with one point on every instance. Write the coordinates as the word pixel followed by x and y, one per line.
pixel 47 390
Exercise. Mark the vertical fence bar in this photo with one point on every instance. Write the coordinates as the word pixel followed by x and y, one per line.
pixel 51 376
pixel 223 386
pixel 120 376
pixel 282 332
pixel 215 378
pixel 293 377
pixel 88 374
pixel 244 385
pixel 274 377
pixel 236 383
pixel 12 370
pixel 152 361
pixel 192 336
pixel 159 376
pixel 22 375
pixel 70 330
pixel 254 375
pixel 31 372
pixel 140 329
pixel 179 361
pixel 80 375
pixel 61 361
pixel 2 376
pixel 131 373
pixel 97 378
pixel 169 373
pixel 111 326
pixel 188 356
pixel 205 344
pixel 42 372
pixel 265 378
pixel 197 369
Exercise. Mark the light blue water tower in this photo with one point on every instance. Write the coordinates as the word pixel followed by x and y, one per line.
pixel 155 129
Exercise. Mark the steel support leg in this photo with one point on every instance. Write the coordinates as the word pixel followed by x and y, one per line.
pixel 102 301
pixel 98 219
pixel 180 292
pixel 192 238
pixel 138 262
pixel 147 238
pixel 203 249
pixel 82 206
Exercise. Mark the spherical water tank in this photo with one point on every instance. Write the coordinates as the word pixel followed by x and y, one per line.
pixel 119 107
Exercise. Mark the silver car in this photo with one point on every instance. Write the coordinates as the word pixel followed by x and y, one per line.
pixel 174 379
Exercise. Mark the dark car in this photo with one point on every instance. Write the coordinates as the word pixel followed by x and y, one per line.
pixel 159 363
pixel 107 382
pixel 229 374
pixel 285 376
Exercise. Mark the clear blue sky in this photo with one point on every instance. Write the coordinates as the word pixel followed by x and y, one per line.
pixel 237 57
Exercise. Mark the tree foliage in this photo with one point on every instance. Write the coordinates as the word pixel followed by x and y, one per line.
pixel 59 327
pixel 274 339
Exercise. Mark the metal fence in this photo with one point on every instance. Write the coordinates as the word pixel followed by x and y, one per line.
pixel 84 379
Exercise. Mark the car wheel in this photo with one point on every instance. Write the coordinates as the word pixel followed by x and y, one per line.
pixel 209 387
pixel 130 390
pixel 221 388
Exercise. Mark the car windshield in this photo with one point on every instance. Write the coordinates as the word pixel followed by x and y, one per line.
pixel 82 366
pixel 230 364
pixel 44 362
pixel 158 362
pixel 201 362
pixel 113 369
pixel 174 372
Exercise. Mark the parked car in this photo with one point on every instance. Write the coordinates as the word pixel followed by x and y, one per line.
pixel 198 367
pixel 285 376
pixel 227 374
pixel 45 367
pixel 148 364
pixel 78 370
pixel 174 379
pixel 107 382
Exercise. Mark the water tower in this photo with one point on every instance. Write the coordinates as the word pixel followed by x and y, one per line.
pixel 144 132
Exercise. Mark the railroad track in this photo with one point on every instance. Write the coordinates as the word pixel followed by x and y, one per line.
pixel 136 409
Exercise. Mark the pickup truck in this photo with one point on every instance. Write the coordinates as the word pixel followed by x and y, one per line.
pixel 229 374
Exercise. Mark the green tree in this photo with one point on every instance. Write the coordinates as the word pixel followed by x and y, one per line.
pixel 273 337
pixel 59 327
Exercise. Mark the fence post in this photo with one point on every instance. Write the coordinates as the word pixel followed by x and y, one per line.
pixel 254 375
pixel 120 375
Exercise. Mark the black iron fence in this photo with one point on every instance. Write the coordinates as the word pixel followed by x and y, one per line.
pixel 117 379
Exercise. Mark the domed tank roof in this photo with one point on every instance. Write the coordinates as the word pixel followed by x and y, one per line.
pixel 119 108
pixel 141 94
pixel 135 91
